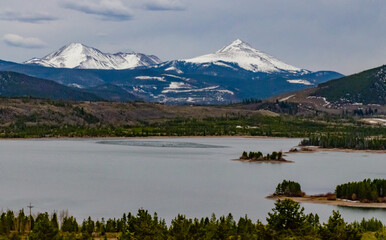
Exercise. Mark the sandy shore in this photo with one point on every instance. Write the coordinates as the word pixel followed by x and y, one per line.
pixel 338 202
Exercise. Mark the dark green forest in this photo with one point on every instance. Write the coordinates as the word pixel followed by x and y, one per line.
pixel 289 189
pixel 258 156
pixel 256 125
pixel 287 220
pixel 365 191
pixel 348 141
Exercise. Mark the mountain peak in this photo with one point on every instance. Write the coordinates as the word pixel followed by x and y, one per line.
pixel 246 57
pixel 78 55
pixel 235 46
pixel 75 44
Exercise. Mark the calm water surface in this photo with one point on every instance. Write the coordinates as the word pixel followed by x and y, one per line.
pixel 192 176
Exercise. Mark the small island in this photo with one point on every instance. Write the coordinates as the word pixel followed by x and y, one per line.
pixel 364 194
pixel 274 157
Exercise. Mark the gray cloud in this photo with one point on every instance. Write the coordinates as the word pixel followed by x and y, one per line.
pixel 164 5
pixel 15 40
pixel 26 17
pixel 112 10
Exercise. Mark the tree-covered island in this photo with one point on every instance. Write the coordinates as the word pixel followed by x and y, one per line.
pixel 274 157
pixel 365 194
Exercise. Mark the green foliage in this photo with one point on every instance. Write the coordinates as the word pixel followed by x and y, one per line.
pixel 287 220
pixel 85 123
pixel 349 141
pixel 289 189
pixel 258 156
pixel 370 225
pixel 286 215
pixel 366 190
pixel 44 229
pixel 366 87
pixel 70 225
pixel 88 226
pixel 337 228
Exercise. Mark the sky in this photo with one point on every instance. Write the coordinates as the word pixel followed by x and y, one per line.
pixel 347 36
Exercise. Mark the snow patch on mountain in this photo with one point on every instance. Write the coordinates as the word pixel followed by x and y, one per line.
pixel 174 69
pixel 77 55
pixel 300 81
pixel 161 79
pixel 177 90
pixel 246 57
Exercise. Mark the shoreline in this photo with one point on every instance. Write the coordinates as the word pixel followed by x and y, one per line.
pixel 263 161
pixel 338 202
pixel 313 149
pixel 150 137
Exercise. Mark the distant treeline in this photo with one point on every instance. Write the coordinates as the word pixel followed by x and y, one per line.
pixel 348 141
pixel 251 100
pixel 364 191
pixel 287 220
pixel 82 122
pixel 259 156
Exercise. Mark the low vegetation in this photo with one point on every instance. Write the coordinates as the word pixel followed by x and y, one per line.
pixel 287 220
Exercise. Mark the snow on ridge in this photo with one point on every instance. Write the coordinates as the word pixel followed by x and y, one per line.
pixel 286 98
pixel 174 76
pixel 161 79
pixel 177 85
pixel 300 81
pixel 77 55
pixel 174 69
pixel 75 85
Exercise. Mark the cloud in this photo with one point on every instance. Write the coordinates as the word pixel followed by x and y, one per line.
pixel 23 42
pixel 164 5
pixel 112 10
pixel 26 17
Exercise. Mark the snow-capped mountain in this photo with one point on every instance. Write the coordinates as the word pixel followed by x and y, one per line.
pixel 235 72
pixel 77 55
pixel 246 57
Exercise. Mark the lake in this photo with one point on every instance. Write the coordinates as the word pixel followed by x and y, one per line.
pixel 191 176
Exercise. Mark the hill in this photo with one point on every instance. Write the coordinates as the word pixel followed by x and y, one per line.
pixel 19 85
pixel 368 87
pixel 362 94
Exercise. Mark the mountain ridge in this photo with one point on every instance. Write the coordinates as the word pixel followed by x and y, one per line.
pixel 231 74
pixel 14 84
pixel 77 55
